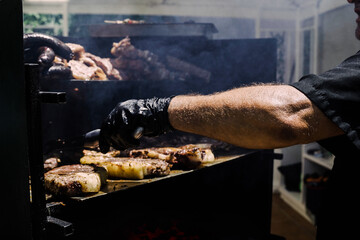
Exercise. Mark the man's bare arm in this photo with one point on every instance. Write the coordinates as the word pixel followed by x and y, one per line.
pixel 266 116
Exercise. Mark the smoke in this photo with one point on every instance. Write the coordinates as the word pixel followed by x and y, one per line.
pixel 231 58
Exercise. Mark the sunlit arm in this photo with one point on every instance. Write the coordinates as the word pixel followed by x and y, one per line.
pixel 266 116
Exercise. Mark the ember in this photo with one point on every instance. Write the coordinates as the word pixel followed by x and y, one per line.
pixel 170 231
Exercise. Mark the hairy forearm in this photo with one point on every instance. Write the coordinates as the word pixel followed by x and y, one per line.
pixel 268 116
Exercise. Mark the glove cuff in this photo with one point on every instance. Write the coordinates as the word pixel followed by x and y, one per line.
pixel 160 106
pixel 166 124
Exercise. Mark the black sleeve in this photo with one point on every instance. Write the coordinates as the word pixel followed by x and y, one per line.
pixel 337 94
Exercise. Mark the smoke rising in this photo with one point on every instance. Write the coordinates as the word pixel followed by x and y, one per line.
pixel 231 62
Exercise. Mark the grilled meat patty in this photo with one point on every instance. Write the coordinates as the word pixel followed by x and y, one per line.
pixel 74 180
pixel 188 156
pixel 128 168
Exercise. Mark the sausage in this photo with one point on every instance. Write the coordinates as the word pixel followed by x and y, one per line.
pixel 58 72
pixel 36 40
pixel 42 55
pixel 46 57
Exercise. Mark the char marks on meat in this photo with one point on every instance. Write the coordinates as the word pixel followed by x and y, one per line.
pixel 108 68
pixel 84 70
pixel 142 64
pixel 74 180
pixel 82 66
pixel 77 50
pixel 128 63
pixel 128 168
pixel 188 156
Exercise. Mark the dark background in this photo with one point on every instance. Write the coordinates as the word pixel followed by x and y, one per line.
pixel 15 204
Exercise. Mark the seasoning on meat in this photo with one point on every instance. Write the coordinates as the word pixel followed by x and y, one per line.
pixel 74 180
pixel 82 70
pixel 51 163
pixel 83 67
pixel 129 168
pixel 77 50
pixel 106 65
pixel 129 62
pixel 142 64
pixel 188 156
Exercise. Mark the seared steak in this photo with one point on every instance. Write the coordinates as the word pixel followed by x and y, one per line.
pixel 188 156
pixel 86 69
pixel 74 180
pixel 106 65
pixel 129 168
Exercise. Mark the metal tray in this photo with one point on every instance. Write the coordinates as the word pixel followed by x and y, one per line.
pixel 114 186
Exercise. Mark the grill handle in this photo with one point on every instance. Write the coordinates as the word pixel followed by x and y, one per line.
pixel 52 97
pixel 57 227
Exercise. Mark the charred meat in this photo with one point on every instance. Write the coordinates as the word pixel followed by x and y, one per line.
pixel 188 156
pixel 141 64
pixel 129 168
pixel 74 180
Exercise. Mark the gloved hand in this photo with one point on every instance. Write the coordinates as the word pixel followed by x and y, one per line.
pixel 42 49
pixel 118 128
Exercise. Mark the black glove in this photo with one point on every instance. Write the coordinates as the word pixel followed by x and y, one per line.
pixel 118 128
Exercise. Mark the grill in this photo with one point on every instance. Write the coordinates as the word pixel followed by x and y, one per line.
pixel 230 198
pixel 232 63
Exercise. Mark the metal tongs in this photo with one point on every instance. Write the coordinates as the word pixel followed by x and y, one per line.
pixel 89 141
